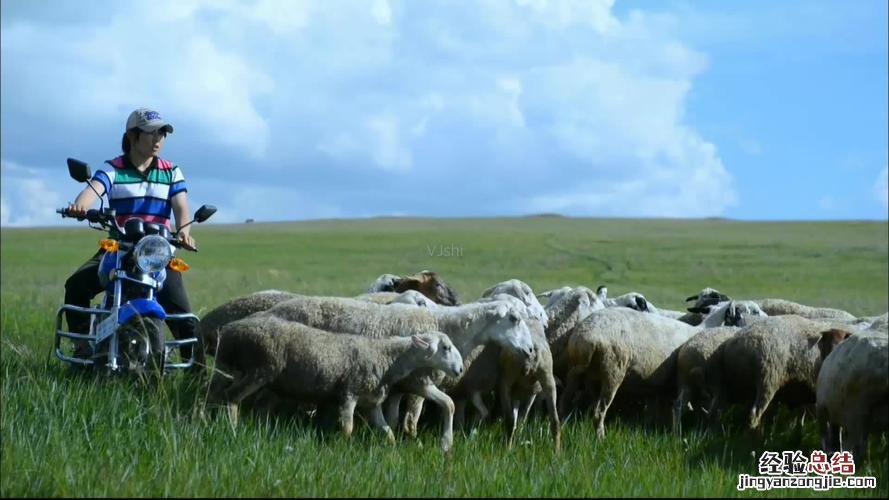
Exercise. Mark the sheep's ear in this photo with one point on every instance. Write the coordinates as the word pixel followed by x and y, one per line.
pixel 420 343
pixel 500 312
pixel 693 297
pixel 830 339
pixel 487 293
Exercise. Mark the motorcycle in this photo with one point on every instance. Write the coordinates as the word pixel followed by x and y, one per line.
pixel 126 331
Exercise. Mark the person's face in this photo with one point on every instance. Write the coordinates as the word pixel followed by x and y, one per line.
pixel 148 143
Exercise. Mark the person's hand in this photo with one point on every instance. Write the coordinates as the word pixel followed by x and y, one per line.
pixel 187 241
pixel 77 210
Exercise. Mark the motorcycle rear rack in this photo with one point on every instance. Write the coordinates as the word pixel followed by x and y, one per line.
pixel 91 337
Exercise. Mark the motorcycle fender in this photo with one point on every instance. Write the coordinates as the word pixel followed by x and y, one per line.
pixel 106 265
pixel 144 307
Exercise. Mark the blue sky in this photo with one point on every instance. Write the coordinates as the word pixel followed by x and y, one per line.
pixel 290 110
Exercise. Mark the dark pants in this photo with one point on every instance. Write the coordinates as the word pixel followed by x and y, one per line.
pixel 83 285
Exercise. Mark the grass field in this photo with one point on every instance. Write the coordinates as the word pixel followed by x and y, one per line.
pixel 65 435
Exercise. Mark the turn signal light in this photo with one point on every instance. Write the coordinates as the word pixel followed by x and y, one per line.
pixel 108 245
pixel 178 264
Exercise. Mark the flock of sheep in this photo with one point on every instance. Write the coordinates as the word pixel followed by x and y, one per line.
pixel 409 339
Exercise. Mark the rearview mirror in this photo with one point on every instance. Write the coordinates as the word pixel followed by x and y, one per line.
pixel 204 213
pixel 78 170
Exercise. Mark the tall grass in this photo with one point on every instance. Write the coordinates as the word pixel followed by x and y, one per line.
pixel 66 434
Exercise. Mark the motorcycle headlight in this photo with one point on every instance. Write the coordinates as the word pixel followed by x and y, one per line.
pixel 152 253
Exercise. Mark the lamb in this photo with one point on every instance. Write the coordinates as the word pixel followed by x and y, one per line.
pixel 518 378
pixel 766 356
pixel 495 321
pixel 312 365
pixel 233 310
pixel 852 389
pixel 469 326
pixel 520 290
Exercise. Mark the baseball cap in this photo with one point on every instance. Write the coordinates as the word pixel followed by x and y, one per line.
pixel 148 120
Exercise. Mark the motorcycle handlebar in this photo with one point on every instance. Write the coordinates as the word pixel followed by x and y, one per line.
pixel 98 217
pixel 91 215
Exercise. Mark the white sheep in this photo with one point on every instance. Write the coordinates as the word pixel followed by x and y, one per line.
pixel 852 389
pixel 764 357
pixel 406 297
pixel 621 348
pixel 880 323
pixel 566 308
pixel 777 307
pixel 517 379
pixel 520 290
pixel 772 307
pixel 233 310
pixel 618 347
pixel 468 326
pixel 693 356
pixel 632 300
pixel 312 365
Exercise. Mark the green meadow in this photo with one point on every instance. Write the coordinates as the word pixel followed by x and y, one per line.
pixel 65 434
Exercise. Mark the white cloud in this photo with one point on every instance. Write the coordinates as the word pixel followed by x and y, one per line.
pixel 28 197
pixel 389 152
pixel 589 105
pixel 881 188
pixel 381 11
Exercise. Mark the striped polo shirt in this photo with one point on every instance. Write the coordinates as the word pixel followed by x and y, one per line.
pixel 145 195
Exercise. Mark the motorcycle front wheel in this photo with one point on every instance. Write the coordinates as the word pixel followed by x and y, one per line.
pixel 141 341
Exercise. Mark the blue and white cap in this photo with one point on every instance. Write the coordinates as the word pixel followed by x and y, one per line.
pixel 147 120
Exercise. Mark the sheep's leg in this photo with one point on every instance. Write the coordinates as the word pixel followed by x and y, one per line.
pixel 392 405
pixel 764 396
pixel 857 438
pixel 608 389
pixel 479 405
pixel 830 437
pixel 549 395
pixel 447 404
pixel 379 421
pixel 412 414
pixel 241 388
pixel 459 412
pixel 678 407
pixel 572 382
pixel 510 409
pixel 347 414
pixel 526 407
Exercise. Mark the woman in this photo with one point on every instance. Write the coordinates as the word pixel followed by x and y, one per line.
pixel 139 184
